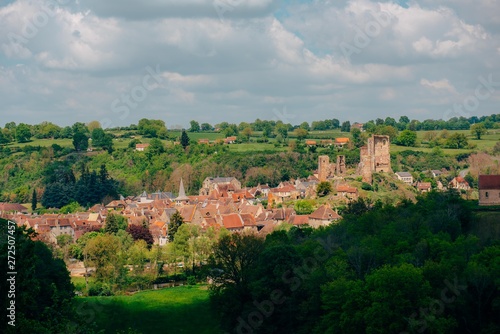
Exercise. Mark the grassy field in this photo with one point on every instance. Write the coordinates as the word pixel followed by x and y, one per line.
pixel 182 309
pixel 486 143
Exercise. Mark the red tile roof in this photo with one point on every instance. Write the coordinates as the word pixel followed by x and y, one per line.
pixel 324 213
pixel 341 140
pixel 232 220
pixel 489 181
pixel 12 207
pixel 346 189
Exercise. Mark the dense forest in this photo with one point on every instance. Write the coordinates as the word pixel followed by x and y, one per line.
pixel 411 268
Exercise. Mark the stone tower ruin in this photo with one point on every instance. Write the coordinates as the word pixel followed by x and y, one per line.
pixel 327 170
pixel 375 157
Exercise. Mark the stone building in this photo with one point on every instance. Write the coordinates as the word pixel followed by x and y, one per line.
pixel 327 170
pixel 219 183
pixel 375 157
pixel 489 189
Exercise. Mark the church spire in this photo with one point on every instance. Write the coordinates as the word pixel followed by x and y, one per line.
pixel 182 193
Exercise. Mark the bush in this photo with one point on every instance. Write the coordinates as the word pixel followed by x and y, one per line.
pixel 191 280
pixel 99 289
pixel 366 186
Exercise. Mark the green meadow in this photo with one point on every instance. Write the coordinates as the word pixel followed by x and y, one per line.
pixel 183 309
pixel 486 143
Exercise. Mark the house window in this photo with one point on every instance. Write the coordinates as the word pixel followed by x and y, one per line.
pixel 486 194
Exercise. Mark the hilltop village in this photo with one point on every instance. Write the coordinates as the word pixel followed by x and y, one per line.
pixel 223 203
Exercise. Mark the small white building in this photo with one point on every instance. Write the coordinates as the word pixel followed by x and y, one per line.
pixel 405 177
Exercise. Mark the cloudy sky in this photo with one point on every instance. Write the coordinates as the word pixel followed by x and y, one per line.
pixel 237 60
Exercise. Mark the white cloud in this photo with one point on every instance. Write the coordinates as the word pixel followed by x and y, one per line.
pixel 442 84
pixel 262 55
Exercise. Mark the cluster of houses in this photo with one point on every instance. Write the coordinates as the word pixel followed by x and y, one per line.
pixel 221 203
pixel 458 182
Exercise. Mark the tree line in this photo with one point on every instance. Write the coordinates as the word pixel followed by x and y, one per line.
pixel 411 268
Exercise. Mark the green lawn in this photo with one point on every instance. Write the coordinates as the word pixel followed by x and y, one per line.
pixel 486 143
pixel 173 310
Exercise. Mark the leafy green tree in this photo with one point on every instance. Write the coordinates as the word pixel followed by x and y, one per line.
pixel 114 223
pixel 104 253
pixel 346 126
pixel 184 139
pixel 23 133
pixel 102 139
pixel 138 254
pixel 66 132
pixel 305 126
pixel 175 222
pixel 155 148
pixel 64 241
pixel 357 137
pixel 206 127
pixel 3 138
pixel 457 140
pixel 407 138
pixel 478 130
pixel 303 207
pixel 234 255
pixel 71 208
pixel 300 133
pixel 80 141
pixel 247 132
pixel 282 130
pixel 195 126
pixel 323 188
pixel 43 289
pixel 152 128
pixel 80 127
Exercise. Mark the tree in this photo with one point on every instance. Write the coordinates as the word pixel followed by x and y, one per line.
pixel 175 222
pixel 139 232
pixel 114 223
pixel 184 139
pixel 195 126
pixel 305 126
pixel 64 241
pixel 323 188
pixel 91 126
pixel 234 256
pixel 247 132
pixel 357 137
pixel 300 133
pixel 478 130
pixel 80 141
pixel 152 128
pixel 303 207
pixel 457 140
pixel 102 139
pixel 155 148
pixel 43 289
pixel 282 130
pixel 104 253
pixel 407 138
pixel 34 201
pixel 206 127
pixel 346 127
pixel 23 133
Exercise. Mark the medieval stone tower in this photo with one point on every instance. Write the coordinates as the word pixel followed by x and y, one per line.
pixel 375 157
pixel 324 168
pixel 327 170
